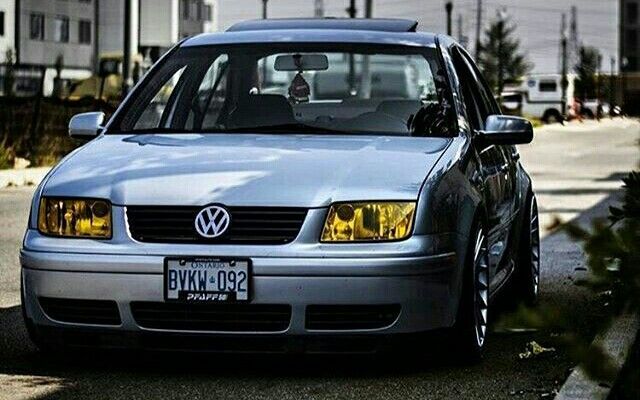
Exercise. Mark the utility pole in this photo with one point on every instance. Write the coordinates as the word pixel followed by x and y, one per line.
pixel 368 8
pixel 318 9
pixel 502 15
pixel 598 103
pixel 364 90
pixel 623 52
pixel 264 60
pixel 126 59
pixel 574 41
pixel 352 11
pixel 564 80
pixel 462 38
pixel 96 37
pixel 449 8
pixel 478 29
pixel 612 85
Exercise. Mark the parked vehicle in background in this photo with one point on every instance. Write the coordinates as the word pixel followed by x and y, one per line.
pixel 539 96
pixel 28 80
pixel 107 83
pixel 593 108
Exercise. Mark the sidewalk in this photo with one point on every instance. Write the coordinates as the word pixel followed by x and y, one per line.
pixel 22 177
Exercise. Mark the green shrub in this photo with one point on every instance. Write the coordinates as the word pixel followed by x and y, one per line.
pixel 612 247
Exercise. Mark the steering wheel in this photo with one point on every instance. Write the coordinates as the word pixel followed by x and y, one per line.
pixel 376 121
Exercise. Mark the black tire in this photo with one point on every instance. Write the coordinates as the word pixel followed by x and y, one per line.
pixel 587 113
pixel 526 283
pixel 550 116
pixel 471 326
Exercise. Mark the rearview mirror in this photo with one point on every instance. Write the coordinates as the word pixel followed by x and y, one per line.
pixel 301 62
pixel 503 129
pixel 86 125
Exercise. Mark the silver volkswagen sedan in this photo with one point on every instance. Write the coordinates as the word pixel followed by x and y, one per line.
pixel 287 185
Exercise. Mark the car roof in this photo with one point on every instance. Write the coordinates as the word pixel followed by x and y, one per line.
pixel 319 30
pixel 357 24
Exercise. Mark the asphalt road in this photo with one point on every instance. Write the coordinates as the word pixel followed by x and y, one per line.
pixel 576 171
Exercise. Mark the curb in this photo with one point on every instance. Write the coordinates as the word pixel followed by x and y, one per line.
pixel 616 342
pixel 22 177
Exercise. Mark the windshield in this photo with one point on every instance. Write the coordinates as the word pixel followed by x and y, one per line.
pixel 285 88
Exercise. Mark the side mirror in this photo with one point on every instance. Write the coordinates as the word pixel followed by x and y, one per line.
pixel 86 125
pixel 503 129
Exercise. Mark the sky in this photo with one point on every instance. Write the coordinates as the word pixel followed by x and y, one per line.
pixel 537 21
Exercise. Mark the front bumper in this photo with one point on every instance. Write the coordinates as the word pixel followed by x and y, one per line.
pixel 424 287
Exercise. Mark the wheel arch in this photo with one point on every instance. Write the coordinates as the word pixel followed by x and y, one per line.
pixel 551 112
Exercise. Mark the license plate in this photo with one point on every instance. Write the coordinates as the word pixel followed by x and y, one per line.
pixel 202 279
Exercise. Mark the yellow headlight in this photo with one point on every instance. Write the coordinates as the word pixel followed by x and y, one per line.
pixel 75 218
pixel 376 221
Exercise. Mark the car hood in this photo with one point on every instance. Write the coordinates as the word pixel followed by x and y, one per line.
pixel 246 169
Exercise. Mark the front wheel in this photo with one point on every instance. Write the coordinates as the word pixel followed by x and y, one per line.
pixel 471 325
pixel 527 274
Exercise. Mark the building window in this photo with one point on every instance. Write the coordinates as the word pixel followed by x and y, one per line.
pixel 84 32
pixel 632 13
pixel 61 32
pixel 632 63
pixel 1 23
pixel 185 9
pixel 36 26
pixel 195 10
pixel 631 40
pixel 208 12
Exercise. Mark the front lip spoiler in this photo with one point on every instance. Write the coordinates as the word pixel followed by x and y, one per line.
pixel 262 266
pixel 201 343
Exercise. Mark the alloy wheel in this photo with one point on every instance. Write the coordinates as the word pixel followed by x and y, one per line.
pixel 534 229
pixel 481 287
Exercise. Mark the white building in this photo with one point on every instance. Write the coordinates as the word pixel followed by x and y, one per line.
pixel 160 23
pixel 41 33
pixel 82 30
pixel 7 27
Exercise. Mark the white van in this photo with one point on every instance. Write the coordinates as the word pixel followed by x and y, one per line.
pixel 539 96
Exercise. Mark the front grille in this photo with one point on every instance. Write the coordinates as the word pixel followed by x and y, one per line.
pixel 249 225
pixel 212 317
pixel 97 312
pixel 350 317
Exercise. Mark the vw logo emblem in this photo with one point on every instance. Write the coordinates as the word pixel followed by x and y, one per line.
pixel 212 221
